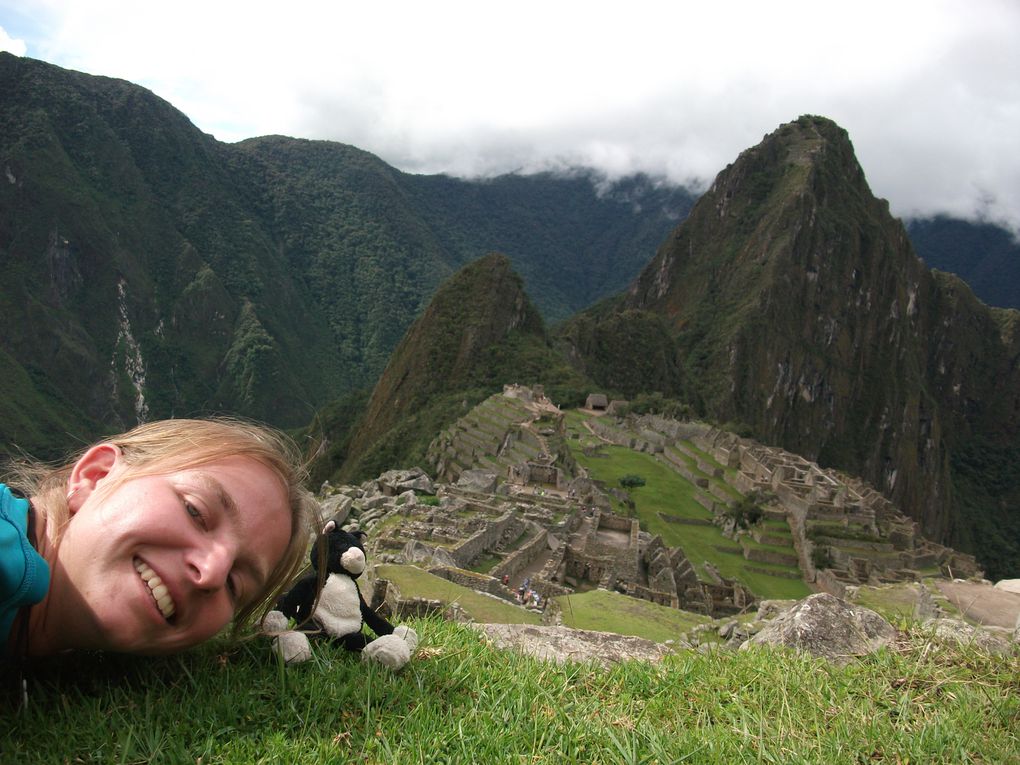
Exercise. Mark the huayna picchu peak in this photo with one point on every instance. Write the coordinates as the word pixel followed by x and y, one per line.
pixel 796 307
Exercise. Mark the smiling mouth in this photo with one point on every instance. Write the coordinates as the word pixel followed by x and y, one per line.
pixel 158 590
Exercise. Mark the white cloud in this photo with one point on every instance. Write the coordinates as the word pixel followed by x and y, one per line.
pixel 17 47
pixel 929 90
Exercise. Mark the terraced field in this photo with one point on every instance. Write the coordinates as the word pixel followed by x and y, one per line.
pixel 668 504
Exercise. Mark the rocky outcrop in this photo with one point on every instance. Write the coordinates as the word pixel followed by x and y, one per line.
pixel 563 644
pixel 958 632
pixel 827 627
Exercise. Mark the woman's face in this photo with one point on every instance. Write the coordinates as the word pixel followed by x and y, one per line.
pixel 163 562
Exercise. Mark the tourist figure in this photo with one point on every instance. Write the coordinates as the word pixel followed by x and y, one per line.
pixel 151 541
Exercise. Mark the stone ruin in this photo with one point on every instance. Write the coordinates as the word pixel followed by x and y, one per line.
pixel 561 536
pixel 513 498
pixel 863 536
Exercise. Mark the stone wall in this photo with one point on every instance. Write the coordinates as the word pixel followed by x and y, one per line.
pixel 758 555
pixel 473 581
pixel 487 539
pixel 827 581
pixel 668 599
pixel 773 572
pixel 522 557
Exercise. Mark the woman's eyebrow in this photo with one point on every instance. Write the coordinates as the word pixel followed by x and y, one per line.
pixel 222 497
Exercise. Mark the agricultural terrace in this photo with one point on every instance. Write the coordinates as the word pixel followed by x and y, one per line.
pixel 667 494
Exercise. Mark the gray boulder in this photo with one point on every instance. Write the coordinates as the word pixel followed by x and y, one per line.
pixel 371 502
pixel 1009 585
pixel 394 482
pixel 770 609
pixel 828 627
pixel 959 632
pixel 480 481
pixel 407 499
pixel 336 507
pixel 423 553
pixel 563 644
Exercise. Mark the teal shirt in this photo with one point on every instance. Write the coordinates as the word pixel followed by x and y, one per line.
pixel 24 575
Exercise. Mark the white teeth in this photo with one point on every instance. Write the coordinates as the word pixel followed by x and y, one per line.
pixel 159 591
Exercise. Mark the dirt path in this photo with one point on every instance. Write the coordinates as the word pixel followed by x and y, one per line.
pixel 983 603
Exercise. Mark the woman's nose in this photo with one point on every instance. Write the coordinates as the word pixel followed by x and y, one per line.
pixel 209 565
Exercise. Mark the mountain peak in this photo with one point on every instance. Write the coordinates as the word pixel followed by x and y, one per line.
pixel 801 182
pixel 479 330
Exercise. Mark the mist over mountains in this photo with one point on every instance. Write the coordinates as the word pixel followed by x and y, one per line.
pixel 153 271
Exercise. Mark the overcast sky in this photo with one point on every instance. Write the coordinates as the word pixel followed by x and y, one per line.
pixel 929 91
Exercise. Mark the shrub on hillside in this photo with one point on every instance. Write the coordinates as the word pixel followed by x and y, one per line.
pixel 631 481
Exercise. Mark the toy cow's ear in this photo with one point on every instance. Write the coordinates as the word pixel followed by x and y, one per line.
pixel 330 525
pixel 359 534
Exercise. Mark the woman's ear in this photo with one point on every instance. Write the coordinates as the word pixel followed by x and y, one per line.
pixel 93 466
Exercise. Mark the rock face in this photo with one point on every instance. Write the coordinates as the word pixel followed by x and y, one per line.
pixel 394 482
pixel 827 627
pixel 1009 585
pixel 563 644
pixel 420 552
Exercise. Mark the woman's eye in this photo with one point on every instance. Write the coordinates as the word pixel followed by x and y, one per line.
pixel 195 513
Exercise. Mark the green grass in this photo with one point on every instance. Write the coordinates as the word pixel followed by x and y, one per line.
pixel 668 492
pixel 462 701
pixel 414 582
pixel 895 602
pixel 611 612
pixel 486 563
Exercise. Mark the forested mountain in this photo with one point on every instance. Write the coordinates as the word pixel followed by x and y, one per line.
pixel 479 332
pixel 152 270
pixel 792 303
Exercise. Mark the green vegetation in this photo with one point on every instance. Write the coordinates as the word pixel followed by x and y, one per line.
pixel 414 582
pixel 746 511
pixel 478 332
pixel 631 481
pixel 461 701
pixel 985 255
pixel 667 495
pixel 274 277
pixel 606 611
pixel 986 476
pixel 334 251
pixel 895 602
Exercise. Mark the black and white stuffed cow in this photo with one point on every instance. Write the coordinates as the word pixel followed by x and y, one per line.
pixel 340 612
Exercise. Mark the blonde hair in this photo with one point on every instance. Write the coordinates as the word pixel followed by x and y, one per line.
pixel 171 445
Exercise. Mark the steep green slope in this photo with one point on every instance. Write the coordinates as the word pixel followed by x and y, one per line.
pixel 152 270
pixel 479 332
pixel 796 305
pixel 132 283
